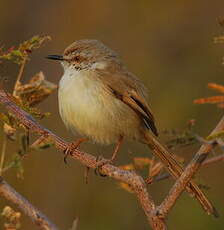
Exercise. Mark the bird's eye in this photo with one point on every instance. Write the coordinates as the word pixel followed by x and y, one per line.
pixel 77 58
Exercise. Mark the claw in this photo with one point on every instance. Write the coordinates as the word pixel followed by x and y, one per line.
pixel 71 147
pixel 100 163
pixel 65 158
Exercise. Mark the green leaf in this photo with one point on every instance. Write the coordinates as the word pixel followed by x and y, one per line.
pixel 21 54
pixel 215 135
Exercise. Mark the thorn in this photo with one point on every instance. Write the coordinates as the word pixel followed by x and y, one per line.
pixel 86 175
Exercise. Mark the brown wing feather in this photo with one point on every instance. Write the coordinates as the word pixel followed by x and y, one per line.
pixel 127 88
pixel 141 109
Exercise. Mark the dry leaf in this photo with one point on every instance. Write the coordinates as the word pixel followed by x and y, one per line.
pixel 217 87
pixel 13 218
pixel 221 105
pixel 36 90
pixel 42 143
pixel 210 100
pixel 126 187
pixel 219 39
pixel 9 131
pixel 75 224
pixel 127 167
pixel 141 162
pixel 219 100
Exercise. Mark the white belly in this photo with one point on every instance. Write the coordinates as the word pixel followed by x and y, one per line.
pixel 87 107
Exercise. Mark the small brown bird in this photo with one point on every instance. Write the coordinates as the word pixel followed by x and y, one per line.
pixel 103 101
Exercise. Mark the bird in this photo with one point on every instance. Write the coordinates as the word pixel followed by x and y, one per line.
pixel 105 103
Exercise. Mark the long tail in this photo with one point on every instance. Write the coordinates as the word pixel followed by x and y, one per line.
pixel 175 169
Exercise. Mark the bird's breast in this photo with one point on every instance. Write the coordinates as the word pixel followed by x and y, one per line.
pixel 83 105
pixel 88 107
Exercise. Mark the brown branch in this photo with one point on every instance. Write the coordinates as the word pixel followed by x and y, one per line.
pixel 21 70
pixel 155 215
pixel 213 160
pixel 188 173
pixel 35 215
pixel 205 163
pixel 129 177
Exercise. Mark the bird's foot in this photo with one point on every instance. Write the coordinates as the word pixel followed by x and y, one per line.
pixel 72 146
pixel 100 163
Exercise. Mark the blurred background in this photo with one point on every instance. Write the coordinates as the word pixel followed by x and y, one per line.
pixel 169 45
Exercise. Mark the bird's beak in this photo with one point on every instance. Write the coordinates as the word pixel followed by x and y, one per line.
pixel 55 57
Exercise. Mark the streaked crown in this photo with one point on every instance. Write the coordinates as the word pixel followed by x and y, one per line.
pixel 84 53
pixel 88 54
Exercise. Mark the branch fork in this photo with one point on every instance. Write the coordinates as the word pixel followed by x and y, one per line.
pixel 155 214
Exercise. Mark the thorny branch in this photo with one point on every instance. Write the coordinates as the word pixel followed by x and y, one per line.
pixel 130 177
pixel 19 76
pixel 135 181
pixel 188 173
pixel 205 163
pixel 35 215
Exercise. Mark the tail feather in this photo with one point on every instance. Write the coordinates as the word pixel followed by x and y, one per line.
pixel 175 169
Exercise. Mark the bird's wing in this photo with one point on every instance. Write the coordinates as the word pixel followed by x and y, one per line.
pixel 128 88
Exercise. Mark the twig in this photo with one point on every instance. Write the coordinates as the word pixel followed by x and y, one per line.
pixel 161 177
pixel 75 224
pixel 213 160
pixel 19 76
pixel 4 142
pixel 188 173
pixel 135 181
pixel 35 215
pixel 205 163
pixel 176 170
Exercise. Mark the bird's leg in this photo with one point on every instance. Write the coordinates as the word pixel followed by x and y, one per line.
pixel 72 146
pixel 117 148
pixel 101 163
